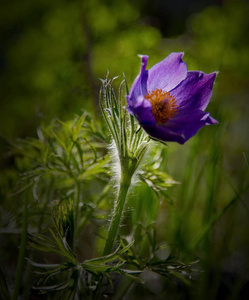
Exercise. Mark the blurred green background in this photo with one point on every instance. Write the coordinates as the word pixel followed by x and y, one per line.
pixel 52 54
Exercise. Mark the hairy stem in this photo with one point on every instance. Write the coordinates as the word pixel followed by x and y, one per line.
pixel 125 183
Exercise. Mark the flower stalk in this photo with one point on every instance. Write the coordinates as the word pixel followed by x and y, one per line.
pixel 125 183
pixel 130 144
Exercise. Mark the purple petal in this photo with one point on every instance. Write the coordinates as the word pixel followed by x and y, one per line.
pixel 139 86
pixel 164 134
pixel 211 121
pixel 168 73
pixel 143 112
pixel 194 92
pixel 188 125
pixel 176 130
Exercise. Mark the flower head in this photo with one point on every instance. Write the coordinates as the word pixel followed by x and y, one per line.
pixel 169 101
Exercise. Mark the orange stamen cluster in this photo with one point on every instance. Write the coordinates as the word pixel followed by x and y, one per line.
pixel 164 106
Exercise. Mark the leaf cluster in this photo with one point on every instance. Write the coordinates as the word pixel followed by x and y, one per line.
pixel 146 254
pixel 76 279
pixel 66 150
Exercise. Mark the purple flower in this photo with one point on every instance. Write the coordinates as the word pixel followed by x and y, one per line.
pixel 169 101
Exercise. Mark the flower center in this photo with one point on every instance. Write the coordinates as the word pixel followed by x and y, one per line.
pixel 163 104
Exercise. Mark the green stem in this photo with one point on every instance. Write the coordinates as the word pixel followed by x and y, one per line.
pixel 125 183
pixel 21 256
